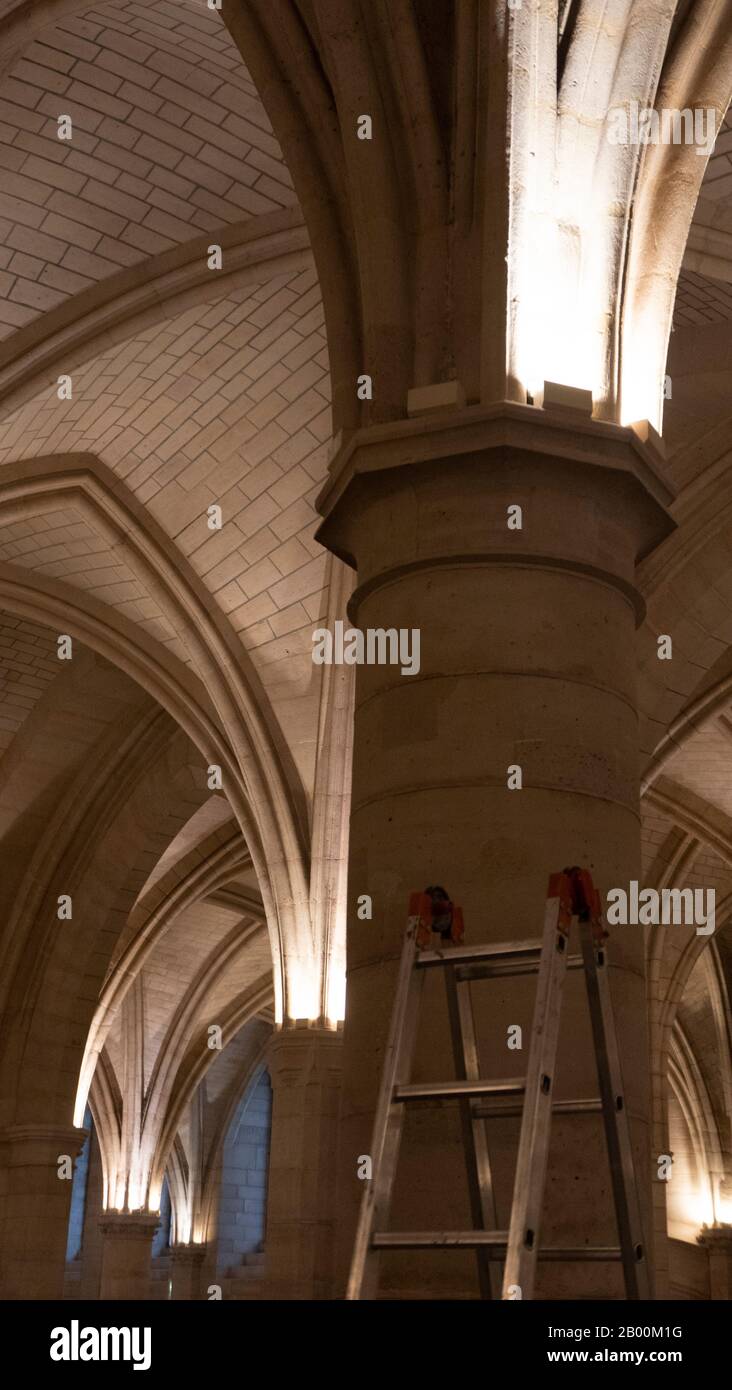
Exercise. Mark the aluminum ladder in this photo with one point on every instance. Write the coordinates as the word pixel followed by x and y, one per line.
pixel 571 894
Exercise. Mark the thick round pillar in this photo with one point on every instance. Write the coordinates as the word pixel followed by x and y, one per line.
pixel 185 1271
pixel 305 1071
pixel 36 1166
pixel 527 672
pixel 127 1251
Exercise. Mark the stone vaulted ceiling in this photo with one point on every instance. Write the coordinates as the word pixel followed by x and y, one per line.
pixel 190 388
pixel 170 141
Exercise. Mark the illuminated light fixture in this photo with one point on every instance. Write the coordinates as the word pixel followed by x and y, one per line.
pixel 556 288
pixel 312 1000
pixel 642 393
pixel 723 1206
pixel 645 432
pixel 303 993
pixel 135 1196
pixel 561 399
pixel 699 1207
pixel 303 1001
pixel 154 1196
pixel 336 1003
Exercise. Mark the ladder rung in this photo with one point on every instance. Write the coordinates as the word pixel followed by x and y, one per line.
pixel 494 1242
pixel 494 1110
pixel 491 959
pixel 508 968
pixel 581 1252
pixel 447 1090
pixel 489 950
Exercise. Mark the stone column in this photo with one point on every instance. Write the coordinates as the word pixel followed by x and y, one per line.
pixel 34 1206
pixel 527 661
pixel 717 1241
pixel 127 1251
pixel 185 1271
pixel 305 1071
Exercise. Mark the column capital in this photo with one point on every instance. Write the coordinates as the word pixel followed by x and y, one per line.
pixel 126 1252
pixel 40 1143
pixel 188 1254
pixel 717 1239
pixel 478 429
pixel 134 1225
pixel 434 491
pixel 302 1047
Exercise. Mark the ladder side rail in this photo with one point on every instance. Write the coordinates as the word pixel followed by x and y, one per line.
pixel 475 1143
pixel 388 1120
pixel 533 1150
pixel 615 1118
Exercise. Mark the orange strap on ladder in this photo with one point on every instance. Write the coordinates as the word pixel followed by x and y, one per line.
pixel 579 898
pixel 435 912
